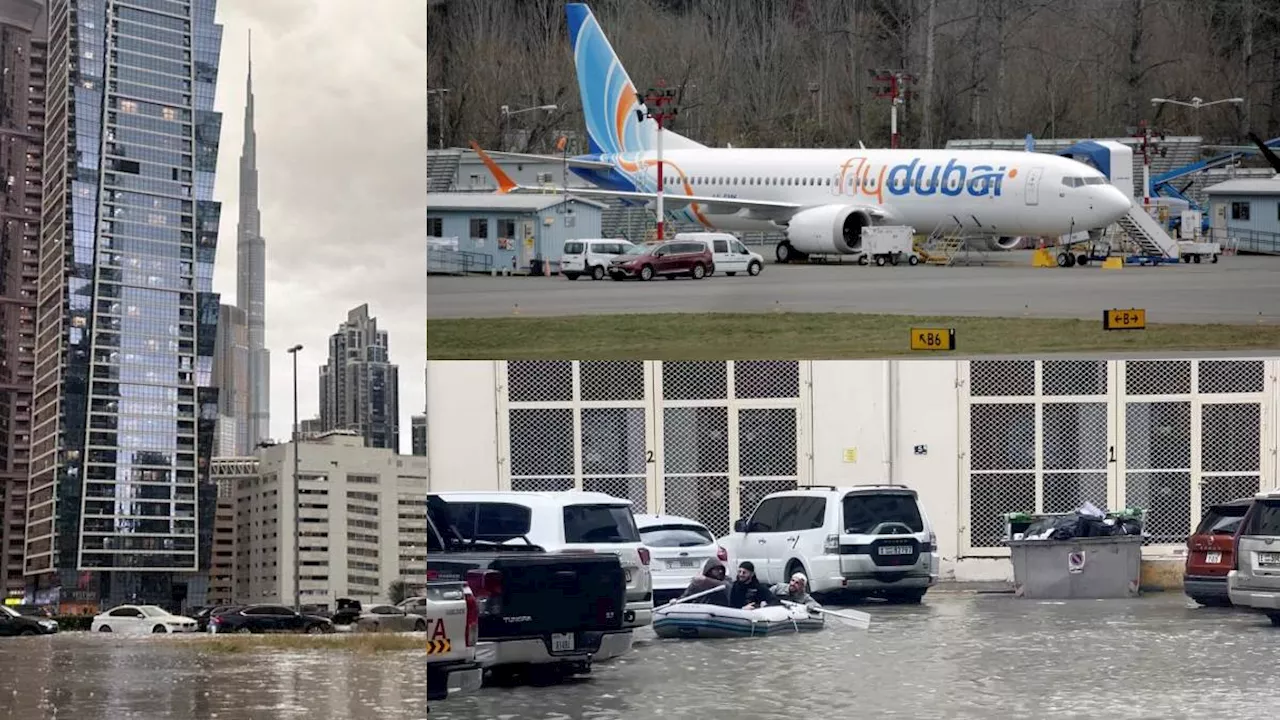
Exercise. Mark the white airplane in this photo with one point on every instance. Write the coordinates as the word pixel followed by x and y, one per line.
pixel 821 198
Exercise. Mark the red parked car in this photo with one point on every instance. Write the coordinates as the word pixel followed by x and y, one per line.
pixel 1211 553
pixel 668 258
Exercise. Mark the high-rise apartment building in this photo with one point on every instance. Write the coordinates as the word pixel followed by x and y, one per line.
pixel 419 441
pixel 359 387
pixel 23 28
pixel 120 505
pixel 251 281
pixel 231 377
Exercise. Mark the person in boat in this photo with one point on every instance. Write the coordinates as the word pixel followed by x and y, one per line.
pixel 748 592
pixel 713 576
pixel 796 591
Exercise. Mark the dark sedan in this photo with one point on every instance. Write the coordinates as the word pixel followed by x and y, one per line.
pixel 202 617
pixel 13 623
pixel 268 619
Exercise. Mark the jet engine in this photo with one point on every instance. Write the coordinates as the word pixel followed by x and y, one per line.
pixel 825 230
pixel 996 244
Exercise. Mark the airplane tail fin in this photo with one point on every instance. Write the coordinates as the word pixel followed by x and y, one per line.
pixel 505 183
pixel 609 102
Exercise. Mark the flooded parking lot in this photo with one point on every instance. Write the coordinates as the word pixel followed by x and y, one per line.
pixel 958 656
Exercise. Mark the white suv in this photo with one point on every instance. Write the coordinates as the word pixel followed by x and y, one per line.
pixel 563 522
pixel 864 540
pixel 728 253
pixel 590 257
pixel 1255 583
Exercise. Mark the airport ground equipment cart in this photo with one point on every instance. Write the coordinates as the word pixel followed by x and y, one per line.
pixel 888 244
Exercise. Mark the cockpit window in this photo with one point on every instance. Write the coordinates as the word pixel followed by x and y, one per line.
pixel 1095 181
pixel 1082 181
pixel 1072 181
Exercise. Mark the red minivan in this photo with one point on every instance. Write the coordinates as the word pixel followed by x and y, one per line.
pixel 668 258
pixel 1211 553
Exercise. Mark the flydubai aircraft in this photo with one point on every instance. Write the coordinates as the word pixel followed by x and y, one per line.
pixel 821 198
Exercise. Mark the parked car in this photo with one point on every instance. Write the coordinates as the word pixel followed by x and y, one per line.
pixel 376 618
pixel 268 619
pixel 133 619
pixel 548 613
pixel 668 259
pixel 1211 552
pixel 728 254
pixel 202 616
pixel 35 611
pixel 678 548
pixel 13 623
pixel 590 257
pixel 864 541
pixel 454 617
pixel 1255 583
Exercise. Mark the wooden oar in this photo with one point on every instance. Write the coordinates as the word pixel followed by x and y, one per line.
pixel 697 595
pixel 848 618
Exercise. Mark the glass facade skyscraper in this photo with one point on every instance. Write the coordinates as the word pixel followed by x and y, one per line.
pixel 120 505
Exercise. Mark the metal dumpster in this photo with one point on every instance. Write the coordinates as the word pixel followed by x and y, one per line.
pixel 1083 568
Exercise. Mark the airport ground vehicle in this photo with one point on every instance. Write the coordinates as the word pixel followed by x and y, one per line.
pixel 728 254
pixel 453 630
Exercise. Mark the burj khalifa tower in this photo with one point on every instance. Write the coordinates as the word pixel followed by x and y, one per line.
pixel 251 280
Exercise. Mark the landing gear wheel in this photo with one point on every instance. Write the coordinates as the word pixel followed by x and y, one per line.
pixel 880 261
pixel 913 260
pixel 862 260
pixel 1082 260
pixel 783 252
pixel 1186 258
pixel 597 272
pixel 1064 259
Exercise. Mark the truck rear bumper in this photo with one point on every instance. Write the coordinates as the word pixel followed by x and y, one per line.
pixel 588 646
pixel 444 680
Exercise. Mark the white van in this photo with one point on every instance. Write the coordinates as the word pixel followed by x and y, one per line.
pixel 864 540
pixel 731 256
pixel 564 522
pixel 589 257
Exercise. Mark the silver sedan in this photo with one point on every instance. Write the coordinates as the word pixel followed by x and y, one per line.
pixel 388 618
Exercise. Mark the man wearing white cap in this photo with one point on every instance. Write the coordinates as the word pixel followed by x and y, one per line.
pixel 796 591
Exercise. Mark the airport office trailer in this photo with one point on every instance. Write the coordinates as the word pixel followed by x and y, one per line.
pixel 976 438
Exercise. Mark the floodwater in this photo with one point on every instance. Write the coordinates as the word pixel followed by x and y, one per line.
pixel 957 656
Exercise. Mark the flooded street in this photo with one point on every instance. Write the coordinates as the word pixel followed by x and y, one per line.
pixel 959 655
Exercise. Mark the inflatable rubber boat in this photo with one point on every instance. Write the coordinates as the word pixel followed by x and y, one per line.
pixel 693 620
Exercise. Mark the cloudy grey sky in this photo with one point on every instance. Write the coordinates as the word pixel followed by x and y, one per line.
pixel 340 92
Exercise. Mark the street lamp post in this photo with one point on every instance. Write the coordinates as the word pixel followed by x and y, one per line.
pixel 440 93
pixel 659 104
pixel 297 493
pixel 508 112
pixel 1195 104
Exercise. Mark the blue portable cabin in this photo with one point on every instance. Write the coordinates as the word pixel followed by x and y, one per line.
pixel 510 231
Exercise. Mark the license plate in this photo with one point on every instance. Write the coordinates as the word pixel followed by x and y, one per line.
pixel 1268 558
pixel 895 550
pixel 561 642
pixel 1213 558
pixel 682 563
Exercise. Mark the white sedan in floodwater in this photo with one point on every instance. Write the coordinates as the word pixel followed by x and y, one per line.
pixel 135 619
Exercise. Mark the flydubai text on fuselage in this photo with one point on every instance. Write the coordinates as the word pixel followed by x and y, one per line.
pixel 821 198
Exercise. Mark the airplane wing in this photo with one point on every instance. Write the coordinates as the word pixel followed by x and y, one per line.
pixel 762 209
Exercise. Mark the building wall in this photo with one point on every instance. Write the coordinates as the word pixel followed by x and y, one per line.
pixel 358 524
pixel 23 55
pixel 1260 232
pixel 977 438
pixel 231 377
pixel 549 228
pixel 419 428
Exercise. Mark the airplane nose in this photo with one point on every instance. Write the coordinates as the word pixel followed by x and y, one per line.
pixel 1113 204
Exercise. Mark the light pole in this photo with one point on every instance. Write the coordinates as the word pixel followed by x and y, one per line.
pixel 659 104
pixel 1195 104
pixel 508 112
pixel 297 494
pixel 440 93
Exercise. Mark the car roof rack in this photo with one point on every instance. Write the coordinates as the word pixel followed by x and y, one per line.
pixel 817 487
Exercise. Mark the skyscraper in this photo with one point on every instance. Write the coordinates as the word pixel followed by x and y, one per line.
pixel 120 505
pixel 251 278
pixel 23 26
pixel 359 387
pixel 231 377
pixel 419 440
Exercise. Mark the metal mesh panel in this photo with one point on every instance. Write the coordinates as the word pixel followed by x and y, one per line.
pixel 634 489
pixel 1066 491
pixel 1002 436
pixel 1074 436
pixel 613 441
pixel 1230 437
pixel 1073 377
pixel 1157 377
pixel 1231 376
pixel 751 492
pixel 1157 436
pixel 600 380
pixel 539 381
pixel 1166 499
pixel 767 442
pixel 996 378
pixel 705 499
pixel 542 484
pixel 766 379
pixel 1224 488
pixel 695 440
pixel 541 442
pixel 695 380
pixel 993 495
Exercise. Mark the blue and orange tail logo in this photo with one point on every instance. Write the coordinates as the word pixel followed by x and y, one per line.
pixel 609 101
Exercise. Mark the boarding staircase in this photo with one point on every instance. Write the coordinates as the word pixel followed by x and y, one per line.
pixel 949 245
pixel 442 168
pixel 1147 234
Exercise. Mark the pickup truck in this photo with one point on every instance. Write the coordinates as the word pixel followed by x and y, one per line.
pixel 544 614
pixel 453 623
